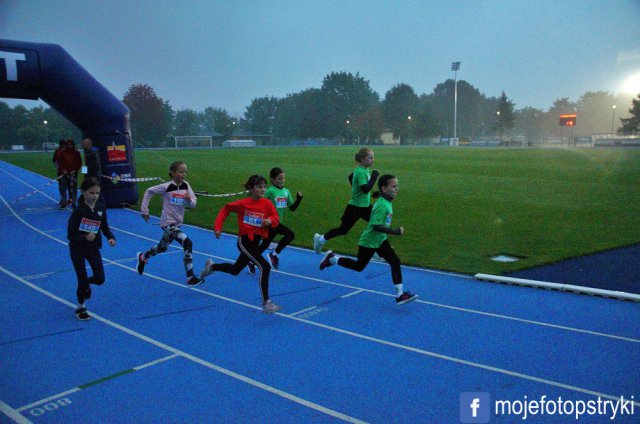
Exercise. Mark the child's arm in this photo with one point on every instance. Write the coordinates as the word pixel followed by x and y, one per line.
pixel 192 197
pixel 222 215
pixel 295 204
pixel 393 231
pixel 273 219
pixel 106 230
pixel 148 194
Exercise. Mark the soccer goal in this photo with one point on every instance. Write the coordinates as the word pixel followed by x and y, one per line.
pixel 188 141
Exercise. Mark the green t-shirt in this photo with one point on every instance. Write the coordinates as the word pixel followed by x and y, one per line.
pixel 361 176
pixel 380 215
pixel 281 199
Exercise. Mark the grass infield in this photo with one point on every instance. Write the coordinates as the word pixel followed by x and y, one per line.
pixel 459 206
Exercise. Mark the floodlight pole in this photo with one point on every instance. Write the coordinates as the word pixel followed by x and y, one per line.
pixel 613 118
pixel 455 66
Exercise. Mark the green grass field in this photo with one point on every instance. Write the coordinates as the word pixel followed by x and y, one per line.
pixel 459 207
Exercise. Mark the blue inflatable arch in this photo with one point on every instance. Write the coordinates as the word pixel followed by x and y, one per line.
pixel 46 71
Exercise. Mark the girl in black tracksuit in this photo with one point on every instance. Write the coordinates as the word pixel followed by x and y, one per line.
pixel 83 231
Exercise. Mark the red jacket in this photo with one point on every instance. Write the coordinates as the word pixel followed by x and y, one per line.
pixel 69 160
pixel 251 214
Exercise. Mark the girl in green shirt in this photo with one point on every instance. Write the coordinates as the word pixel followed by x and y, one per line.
pixel 282 200
pixel 374 240
pixel 359 206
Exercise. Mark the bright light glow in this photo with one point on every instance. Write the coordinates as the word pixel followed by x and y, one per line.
pixel 632 84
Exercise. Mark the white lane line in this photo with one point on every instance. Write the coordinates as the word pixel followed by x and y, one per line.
pixel 192 358
pixel 439 305
pixel 303 310
pixel 353 293
pixel 77 389
pixel 13 414
pixel 313 323
pixel 169 348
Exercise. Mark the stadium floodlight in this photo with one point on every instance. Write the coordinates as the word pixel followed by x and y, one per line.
pixel 455 67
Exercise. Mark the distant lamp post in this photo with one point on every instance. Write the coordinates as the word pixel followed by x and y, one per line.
pixel 613 118
pixel 498 125
pixel 46 131
pixel 455 67
pixel 409 122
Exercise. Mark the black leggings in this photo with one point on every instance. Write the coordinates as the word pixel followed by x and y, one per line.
pixel 249 251
pixel 287 238
pixel 349 218
pixel 172 233
pixel 91 254
pixel 365 254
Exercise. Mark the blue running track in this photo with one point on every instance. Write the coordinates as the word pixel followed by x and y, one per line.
pixel 157 351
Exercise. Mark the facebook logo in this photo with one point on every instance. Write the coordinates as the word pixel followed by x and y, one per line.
pixel 474 407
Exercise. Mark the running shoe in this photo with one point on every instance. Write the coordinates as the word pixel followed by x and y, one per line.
pixel 326 262
pixel 82 315
pixel 141 263
pixel 194 281
pixel 251 268
pixel 270 308
pixel 207 269
pixel 274 260
pixel 405 297
pixel 317 245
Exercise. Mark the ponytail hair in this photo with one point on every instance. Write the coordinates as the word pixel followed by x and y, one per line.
pixel 362 153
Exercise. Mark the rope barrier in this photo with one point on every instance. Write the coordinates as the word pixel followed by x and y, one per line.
pixel 206 194
pixel 24 196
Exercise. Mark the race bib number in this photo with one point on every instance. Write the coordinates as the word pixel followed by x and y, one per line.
pixel 178 199
pixel 281 202
pixel 89 226
pixel 388 221
pixel 253 218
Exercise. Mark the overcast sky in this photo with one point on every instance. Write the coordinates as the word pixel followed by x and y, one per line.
pixel 197 54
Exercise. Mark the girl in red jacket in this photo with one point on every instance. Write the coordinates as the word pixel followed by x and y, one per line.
pixel 255 215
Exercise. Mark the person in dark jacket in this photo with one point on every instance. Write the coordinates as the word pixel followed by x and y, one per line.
pixel 92 163
pixel 85 241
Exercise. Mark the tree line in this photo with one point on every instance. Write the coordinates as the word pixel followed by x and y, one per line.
pixel 346 109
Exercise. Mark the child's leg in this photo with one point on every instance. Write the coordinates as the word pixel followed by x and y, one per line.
pixel 163 244
pixel 287 237
pixel 235 268
pixel 187 246
pixel 77 259
pixel 252 251
pixel 94 258
pixel 364 256
pixel 387 253
pixel 348 220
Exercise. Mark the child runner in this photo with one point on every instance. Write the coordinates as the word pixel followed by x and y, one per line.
pixel 374 240
pixel 176 195
pixel 281 198
pixel 85 242
pixel 360 204
pixel 255 216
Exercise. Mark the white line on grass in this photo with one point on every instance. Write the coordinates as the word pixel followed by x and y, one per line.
pixel 312 323
pixel 439 305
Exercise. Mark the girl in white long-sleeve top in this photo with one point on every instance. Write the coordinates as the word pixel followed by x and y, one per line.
pixel 176 195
